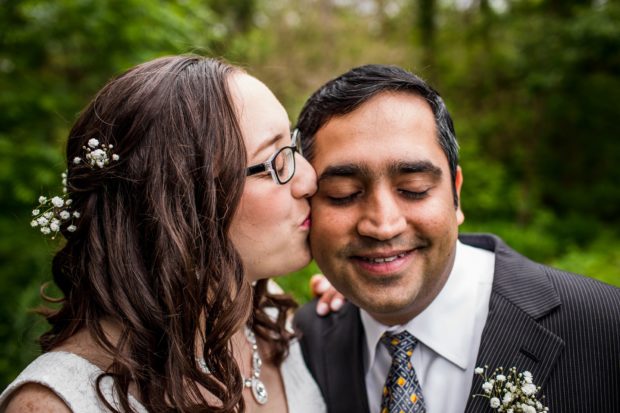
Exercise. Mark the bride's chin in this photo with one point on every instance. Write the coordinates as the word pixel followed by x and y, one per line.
pixel 280 264
pixel 304 260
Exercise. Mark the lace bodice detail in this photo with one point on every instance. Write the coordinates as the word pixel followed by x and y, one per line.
pixel 73 379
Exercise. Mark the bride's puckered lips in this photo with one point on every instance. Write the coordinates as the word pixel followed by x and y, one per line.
pixel 307 222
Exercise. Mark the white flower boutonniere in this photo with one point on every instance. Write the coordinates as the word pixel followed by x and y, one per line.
pixel 509 391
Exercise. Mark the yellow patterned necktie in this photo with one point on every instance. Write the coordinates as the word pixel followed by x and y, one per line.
pixel 402 392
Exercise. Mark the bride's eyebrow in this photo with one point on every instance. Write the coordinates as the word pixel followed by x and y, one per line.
pixel 267 144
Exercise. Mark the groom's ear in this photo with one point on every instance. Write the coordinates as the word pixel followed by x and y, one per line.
pixel 458 183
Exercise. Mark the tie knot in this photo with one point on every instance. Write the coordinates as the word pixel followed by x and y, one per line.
pixel 401 344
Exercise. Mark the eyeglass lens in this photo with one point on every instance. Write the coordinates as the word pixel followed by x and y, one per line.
pixel 284 164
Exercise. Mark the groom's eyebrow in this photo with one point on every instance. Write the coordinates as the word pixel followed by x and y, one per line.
pixel 417 167
pixel 396 168
pixel 345 171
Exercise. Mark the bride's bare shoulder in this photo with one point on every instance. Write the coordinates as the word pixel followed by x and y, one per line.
pixel 33 397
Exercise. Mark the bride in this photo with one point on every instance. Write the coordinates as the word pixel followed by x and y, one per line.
pixel 184 192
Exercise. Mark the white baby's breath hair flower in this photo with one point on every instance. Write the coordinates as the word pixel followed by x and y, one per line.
pixel 56 211
pixel 97 155
pixel 509 391
pixel 58 202
pixel 53 213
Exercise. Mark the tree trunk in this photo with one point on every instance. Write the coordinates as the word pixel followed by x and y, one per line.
pixel 427 29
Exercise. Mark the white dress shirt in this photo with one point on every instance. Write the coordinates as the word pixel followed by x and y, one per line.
pixel 448 331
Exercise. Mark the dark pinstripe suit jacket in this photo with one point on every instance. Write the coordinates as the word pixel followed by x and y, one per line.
pixel 562 327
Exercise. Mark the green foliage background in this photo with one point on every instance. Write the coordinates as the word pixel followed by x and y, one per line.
pixel 533 87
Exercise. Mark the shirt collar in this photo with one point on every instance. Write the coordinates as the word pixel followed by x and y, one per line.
pixel 446 326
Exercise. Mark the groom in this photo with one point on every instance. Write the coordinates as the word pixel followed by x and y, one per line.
pixel 428 306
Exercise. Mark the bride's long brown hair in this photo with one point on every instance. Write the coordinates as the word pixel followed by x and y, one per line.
pixel 151 252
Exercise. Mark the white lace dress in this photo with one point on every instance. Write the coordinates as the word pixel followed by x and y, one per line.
pixel 73 379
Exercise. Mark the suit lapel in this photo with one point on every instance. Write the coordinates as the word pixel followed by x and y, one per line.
pixel 513 337
pixel 344 364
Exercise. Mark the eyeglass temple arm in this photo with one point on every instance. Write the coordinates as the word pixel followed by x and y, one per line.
pixel 256 169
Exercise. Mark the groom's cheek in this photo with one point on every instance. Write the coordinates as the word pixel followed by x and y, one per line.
pixel 328 238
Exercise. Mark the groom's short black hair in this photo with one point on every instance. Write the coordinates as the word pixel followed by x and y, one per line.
pixel 350 90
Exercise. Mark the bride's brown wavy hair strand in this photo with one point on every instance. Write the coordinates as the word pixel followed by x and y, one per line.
pixel 151 252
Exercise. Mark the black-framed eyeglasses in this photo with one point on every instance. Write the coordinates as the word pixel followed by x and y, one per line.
pixel 281 165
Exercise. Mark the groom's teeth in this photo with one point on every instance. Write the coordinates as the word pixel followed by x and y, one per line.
pixel 386 259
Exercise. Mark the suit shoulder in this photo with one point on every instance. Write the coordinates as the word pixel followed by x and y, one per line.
pixel 310 323
pixel 306 315
pixel 586 302
pixel 580 288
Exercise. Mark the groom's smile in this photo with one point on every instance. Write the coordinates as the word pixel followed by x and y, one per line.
pixel 384 220
pixel 383 263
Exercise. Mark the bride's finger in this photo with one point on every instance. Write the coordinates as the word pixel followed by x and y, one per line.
pixel 330 299
pixel 319 285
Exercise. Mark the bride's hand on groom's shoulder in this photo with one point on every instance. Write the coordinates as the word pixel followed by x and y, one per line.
pixel 329 299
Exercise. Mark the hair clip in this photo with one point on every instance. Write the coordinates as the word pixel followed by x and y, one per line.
pixel 97 156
